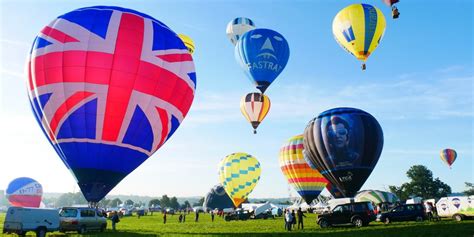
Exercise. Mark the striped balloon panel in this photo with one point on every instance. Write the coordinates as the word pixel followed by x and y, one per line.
pixel 306 181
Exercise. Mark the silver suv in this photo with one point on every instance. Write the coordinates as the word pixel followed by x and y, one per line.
pixel 81 219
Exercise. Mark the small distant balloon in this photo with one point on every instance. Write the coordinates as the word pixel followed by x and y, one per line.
pixel 238 27
pixel 254 107
pixel 188 42
pixel 24 192
pixel 448 156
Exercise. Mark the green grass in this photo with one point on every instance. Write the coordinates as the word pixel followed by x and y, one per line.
pixel 153 226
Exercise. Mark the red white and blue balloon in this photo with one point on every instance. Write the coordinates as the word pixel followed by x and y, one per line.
pixel 24 192
pixel 108 86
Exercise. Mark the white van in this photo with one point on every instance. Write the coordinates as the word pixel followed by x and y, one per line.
pixel 21 220
pixel 458 207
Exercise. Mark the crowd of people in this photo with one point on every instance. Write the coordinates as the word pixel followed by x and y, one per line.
pixel 291 219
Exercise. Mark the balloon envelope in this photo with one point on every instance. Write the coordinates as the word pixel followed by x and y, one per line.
pixel 306 181
pixel 376 197
pixel 448 156
pixel 237 27
pixel 390 2
pixel 239 174
pixel 24 192
pixel 217 198
pixel 358 29
pixel 262 54
pixel 108 86
pixel 188 42
pixel 254 107
pixel 334 191
pixel 344 144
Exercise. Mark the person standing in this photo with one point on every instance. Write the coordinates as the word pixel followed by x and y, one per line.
pixel 428 211
pixel 184 217
pixel 289 220
pixel 284 218
pixel 212 216
pixel 115 220
pixel 293 218
pixel 164 217
pixel 300 215
pixel 197 216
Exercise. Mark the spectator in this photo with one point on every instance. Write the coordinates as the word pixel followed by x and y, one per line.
pixel 288 220
pixel 115 220
pixel 300 215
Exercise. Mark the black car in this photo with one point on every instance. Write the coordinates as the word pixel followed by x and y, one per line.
pixel 356 213
pixel 404 212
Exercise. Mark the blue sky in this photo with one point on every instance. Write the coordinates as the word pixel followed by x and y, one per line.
pixel 418 85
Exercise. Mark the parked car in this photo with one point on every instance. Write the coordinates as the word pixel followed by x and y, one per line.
pixel 81 219
pixel 20 220
pixel 238 214
pixel 170 211
pixel 403 212
pixel 356 213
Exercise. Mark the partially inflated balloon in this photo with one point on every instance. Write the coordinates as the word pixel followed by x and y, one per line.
pixel 239 174
pixel 108 86
pixel 376 197
pixel 24 192
pixel 238 27
pixel 263 55
pixel 358 29
pixel 344 144
pixel 307 182
pixel 217 198
pixel 448 156
pixel 254 107
pixel 188 42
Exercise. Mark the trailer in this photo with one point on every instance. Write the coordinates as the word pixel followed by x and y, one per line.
pixel 456 207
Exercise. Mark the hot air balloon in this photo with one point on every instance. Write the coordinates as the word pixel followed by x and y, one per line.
pixel 237 27
pixel 217 198
pixel 376 197
pixel 239 174
pixel 344 144
pixel 448 156
pixel 188 42
pixel 24 192
pixel 262 54
pixel 254 107
pixel 390 3
pixel 307 182
pixel 358 29
pixel 108 86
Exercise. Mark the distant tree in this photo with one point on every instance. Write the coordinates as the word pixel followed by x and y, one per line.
pixel 104 202
pixel 115 202
pixel 199 203
pixel 129 202
pixel 154 202
pixel 421 184
pixel 69 199
pixel 470 189
pixel 174 203
pixel 187 204
pixel 165 201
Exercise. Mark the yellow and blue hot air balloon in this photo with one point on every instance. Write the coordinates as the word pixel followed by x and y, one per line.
pixel 239 173
pixel 358 29
pixel 188 42
pixel 255 106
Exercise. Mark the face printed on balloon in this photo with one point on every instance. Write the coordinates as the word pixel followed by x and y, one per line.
pixel 338 133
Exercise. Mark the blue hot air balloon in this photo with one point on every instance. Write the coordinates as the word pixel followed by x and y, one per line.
pixel 108 86
pixel 344 144
pixel 263 55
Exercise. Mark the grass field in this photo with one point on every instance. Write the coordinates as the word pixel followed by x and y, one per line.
pixel 153 226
